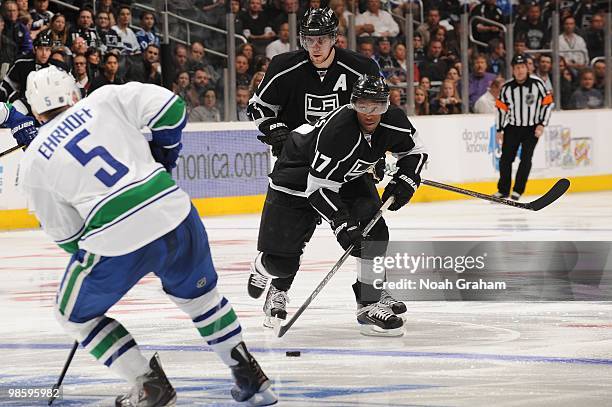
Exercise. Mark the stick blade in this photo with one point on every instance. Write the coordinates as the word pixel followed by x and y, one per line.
pixel 551 196
pixel 280 330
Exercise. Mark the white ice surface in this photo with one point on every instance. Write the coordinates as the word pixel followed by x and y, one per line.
pixel 453 354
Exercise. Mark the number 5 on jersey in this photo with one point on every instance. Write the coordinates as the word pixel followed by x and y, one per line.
pixel 84 157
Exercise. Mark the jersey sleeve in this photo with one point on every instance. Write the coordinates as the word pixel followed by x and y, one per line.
pixel 146 105
pixel 546 103
pixel 502 107
pixel 334 145
pixel 407 146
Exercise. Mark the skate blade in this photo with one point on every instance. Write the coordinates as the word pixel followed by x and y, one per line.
pixel 272 322
pixel 264 398
pixel 373 330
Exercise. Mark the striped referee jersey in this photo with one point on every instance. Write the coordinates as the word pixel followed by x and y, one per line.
pixel 526 104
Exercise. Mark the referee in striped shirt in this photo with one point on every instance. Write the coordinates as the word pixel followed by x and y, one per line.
pixel 523 109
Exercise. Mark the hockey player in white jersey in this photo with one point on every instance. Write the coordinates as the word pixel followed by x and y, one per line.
pixel 104 195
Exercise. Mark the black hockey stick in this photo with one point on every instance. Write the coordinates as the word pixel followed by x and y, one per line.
pixel 282 329
pixel 10 150
pixel 549 197
pixel 57 385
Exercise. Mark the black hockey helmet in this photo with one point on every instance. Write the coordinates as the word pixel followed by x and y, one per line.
pixel 519 59
pixel 370 95
pixel 43 39
pixel 319 21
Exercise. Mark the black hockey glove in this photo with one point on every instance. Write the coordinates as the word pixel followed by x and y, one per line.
pixel 165 156
pixel 347 230
pixel 275 137
pixel 379 170
pixel 401 187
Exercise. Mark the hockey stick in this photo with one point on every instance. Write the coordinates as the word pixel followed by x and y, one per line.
pixel 281 330
pixel 549 197
pixel 57 385
pixel 10 150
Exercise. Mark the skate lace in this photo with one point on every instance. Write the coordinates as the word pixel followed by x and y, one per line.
pixel 259 280
pixel 280 299
pixel 387 299
pixel 381 313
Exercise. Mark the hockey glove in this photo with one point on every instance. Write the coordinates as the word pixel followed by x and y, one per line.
pixel 275 137
pixel 164 155
pixel 347 230
pixel 379 170
pixel 22 127
pixel 401 187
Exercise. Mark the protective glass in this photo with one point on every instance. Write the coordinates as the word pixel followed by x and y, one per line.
pixel 321 40
pixel 369 107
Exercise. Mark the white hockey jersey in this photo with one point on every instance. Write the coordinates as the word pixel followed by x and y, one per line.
pixel 91 179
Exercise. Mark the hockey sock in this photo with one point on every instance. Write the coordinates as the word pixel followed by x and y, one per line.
pixel 110 343
pixel 215 320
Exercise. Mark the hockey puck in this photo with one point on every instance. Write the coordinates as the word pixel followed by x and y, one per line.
pixel 293 353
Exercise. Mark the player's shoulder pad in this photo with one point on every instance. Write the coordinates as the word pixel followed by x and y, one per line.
pixel 395 120
pixel 340 130
pixel 355 62
pixel 286 60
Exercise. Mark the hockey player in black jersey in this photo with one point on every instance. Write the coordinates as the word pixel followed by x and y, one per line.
pixel 315 162
pixel 304 85
pixel 13 86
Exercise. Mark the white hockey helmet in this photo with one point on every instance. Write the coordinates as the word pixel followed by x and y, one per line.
pixel 50 88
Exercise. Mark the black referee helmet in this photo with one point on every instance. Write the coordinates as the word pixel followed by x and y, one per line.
pixel 519 59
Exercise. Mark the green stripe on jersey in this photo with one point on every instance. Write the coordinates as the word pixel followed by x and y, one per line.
pixel 123 203
pixel 72 279
pixel 173 116
pixel 219 324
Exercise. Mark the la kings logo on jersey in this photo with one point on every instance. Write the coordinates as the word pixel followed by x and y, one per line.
pixel 316 106
pixel 360 167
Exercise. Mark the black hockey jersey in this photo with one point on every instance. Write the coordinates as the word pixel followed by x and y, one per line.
pixel 293 93
pixel 317 159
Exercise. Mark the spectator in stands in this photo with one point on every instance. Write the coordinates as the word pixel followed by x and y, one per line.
pixel 544 70
pixel 496 63
pixel 366 48
pixel 449 47
pixel 520 45
pixel 425 83
pixel 384 58
pixel 181 83
pixel 22 6
pixel 41 16
pixel 448 100
pixel 395 97
pixel 180 59
pixel 128 37
pixel 572 46
pixel 79 46
pixel 255 81
pixel 401 71
pixel 79 71
pixel 431 22
pixel 26 19
pixel 242 71
pixel 341 41
pixel 339 9
pixel 583 12
pixel 237 12
pixel 242 102
pixel 109 75
pixel 586 96
pixel 479 80
pixel 200 83
pixel 94 56
pixel 147 33
pixel 14 30
pixel 486 103
pixel 85 29
pixel 483 31
pixel 207 111
pixel 453 75
pixel 249 52
pixel 261 64
pixel 599 69
pixel 289 6
pixel 533 28
pixel 8 50
pixel 595 36
pixel 530 65
pixel 421 101
pixel 434 67
pixel 256 26
pixel 377 22
pixel 109 38
pixel 567 87
pixel 109 7
pixel 197 60
pixel 58 31
pixel 419 51
pixel 281 44
pixel 145 68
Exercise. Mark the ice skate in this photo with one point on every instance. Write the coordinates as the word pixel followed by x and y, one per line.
pixel 258 280
pixel 379 320
pixel 151 389
pixel 252 385
pixel 275 307
pixel 398 307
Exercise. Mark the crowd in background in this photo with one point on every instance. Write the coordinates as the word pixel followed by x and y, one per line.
pixel 105 48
